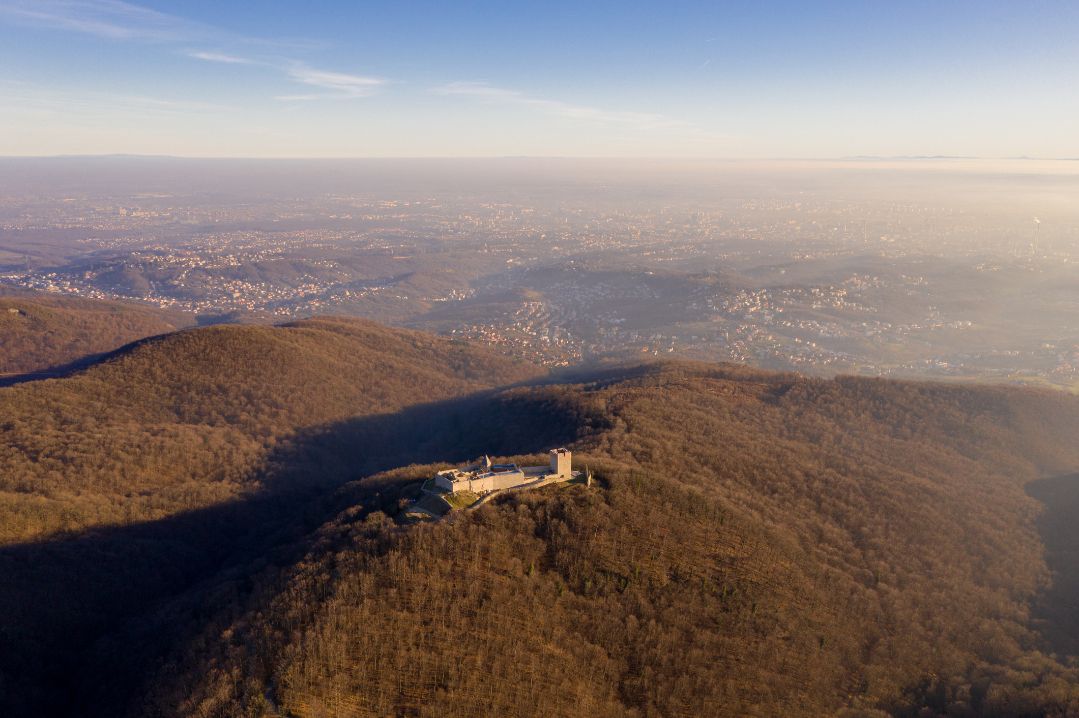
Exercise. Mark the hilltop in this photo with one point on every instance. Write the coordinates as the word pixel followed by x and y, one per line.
pixel 755 544
pixel 164 464
pixel 183 420
pixel 208 524
pixel 39 332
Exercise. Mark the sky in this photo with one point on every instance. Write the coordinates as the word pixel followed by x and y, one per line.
pixel 753 79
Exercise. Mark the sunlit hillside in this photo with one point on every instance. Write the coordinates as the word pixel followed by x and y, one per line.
pixel 39 333
pixel 753 544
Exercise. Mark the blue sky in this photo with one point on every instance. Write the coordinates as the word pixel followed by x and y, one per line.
pixel 682 79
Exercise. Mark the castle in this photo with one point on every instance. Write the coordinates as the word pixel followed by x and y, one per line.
pixel 485 476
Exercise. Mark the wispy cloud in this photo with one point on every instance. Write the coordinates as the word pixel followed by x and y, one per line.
pixel 483 92
pixel 337 85
pixel 210 56
pixel 124 21
pixel 104 18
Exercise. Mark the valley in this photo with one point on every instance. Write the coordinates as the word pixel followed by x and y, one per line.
pixel 877 270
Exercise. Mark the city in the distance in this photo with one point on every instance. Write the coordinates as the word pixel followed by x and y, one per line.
pixel 607 359
pixel 869 267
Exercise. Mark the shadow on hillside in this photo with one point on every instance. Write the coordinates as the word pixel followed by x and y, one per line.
pixel 1057 610
pixel 81 615
pixel 76 365
pixel 55 372
pixel 449 431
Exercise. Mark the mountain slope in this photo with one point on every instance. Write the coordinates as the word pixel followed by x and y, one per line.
pixel 39 332
pixel 186 533
pixel 756 544
pixel 184 456
pixel 186 420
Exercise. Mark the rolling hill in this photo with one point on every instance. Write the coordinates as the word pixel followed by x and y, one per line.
pixel 152 470
pixel 183 421
pixel 39 332
pixel 756 544
pixel 209 524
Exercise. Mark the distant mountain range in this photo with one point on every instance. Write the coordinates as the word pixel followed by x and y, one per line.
pixel 208 523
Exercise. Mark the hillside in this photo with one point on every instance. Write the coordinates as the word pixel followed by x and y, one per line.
pixel 165 464
pixel 39 332
pixel 185 420
pixel 756 544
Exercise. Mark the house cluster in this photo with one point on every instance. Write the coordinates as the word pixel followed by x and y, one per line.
pixel 485 476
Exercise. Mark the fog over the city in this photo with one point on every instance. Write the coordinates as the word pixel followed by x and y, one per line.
pixel 935 267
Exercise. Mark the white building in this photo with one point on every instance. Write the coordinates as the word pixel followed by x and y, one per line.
pixel 561 463
pixel 485 476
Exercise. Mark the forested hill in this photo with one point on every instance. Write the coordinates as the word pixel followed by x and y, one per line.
pixel 40 332
pixel 189 419
pixel 208 524
pixel 178 457
pixel 755 544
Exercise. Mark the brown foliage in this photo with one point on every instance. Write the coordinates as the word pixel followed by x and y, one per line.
pixel 757 544
pixel 186 420
pixel 40 332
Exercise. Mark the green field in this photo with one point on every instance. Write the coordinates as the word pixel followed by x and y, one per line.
pixel 461 500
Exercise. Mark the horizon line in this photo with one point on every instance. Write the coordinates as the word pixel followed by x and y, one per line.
pixel 679 158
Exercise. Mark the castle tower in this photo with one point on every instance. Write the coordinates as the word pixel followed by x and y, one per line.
pixel 561 462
